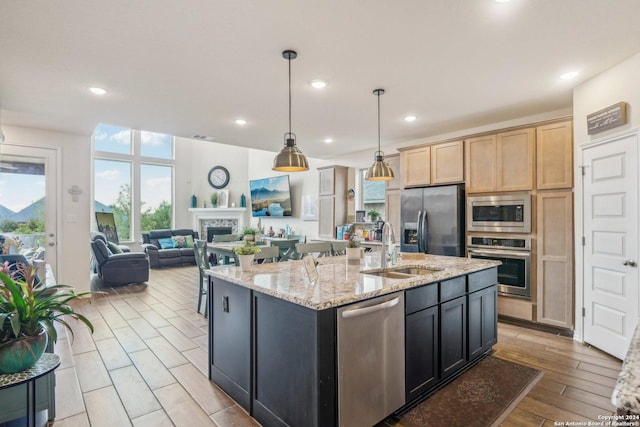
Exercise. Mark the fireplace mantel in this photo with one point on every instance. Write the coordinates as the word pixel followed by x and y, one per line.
pixel 204 217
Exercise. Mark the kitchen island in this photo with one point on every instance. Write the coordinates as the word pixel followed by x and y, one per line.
pixel 276 346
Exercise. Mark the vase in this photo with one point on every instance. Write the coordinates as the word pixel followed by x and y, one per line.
pixel 22 353
pixel 249 238
pixel 354 255
pixel 246 262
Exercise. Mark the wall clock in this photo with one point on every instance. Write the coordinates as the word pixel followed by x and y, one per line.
pixel 218 177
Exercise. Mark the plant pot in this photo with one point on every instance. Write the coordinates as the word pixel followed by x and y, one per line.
pixel 354 255
pixel 249 238
pixel 22 353
pixel 246 262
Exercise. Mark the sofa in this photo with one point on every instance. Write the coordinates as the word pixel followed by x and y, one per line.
pixel 168 248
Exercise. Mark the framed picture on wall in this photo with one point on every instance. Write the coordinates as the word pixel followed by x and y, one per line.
pixel 223 198
pixel 107 226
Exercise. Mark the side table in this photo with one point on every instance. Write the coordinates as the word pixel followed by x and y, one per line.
pixel 47 363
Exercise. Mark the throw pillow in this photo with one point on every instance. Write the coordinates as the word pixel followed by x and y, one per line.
pixel 179 241
pixel 166 243
pixel 188 243
pixel 115 249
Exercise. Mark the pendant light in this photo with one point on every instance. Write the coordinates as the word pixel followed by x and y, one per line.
pixel 379 170
pixel 290 159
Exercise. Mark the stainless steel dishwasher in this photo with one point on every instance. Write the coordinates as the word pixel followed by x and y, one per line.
pixel 370 360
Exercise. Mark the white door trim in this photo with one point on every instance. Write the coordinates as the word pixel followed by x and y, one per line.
pixel 56 154
pixel 578 333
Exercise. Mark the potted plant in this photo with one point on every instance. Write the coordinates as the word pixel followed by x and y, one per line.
pixel 373 214
pixel 249 234
pixel 245 255
pixel 214 200
pixel 28 311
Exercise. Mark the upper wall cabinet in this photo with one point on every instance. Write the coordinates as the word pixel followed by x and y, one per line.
pixel 554 149
pixel 394 164
pixel 501 162
pixel 433 164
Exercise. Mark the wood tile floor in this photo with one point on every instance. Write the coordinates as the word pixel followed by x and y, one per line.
pixel 146 365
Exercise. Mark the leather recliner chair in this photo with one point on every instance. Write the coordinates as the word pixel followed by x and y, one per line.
pixel 117 268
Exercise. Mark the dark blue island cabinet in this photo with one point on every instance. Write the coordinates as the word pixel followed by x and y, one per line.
pixel 277 359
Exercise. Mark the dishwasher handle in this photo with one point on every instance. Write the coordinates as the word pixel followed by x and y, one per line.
pixel 371 309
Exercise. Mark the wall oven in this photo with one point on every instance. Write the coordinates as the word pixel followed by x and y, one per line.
pixel 514 274
pixel 509 213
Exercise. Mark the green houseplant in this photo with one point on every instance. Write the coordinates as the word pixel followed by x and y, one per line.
pixel 28 312
pixel 374 214
pixel 214 200
pixel 249 234
pixel 245 254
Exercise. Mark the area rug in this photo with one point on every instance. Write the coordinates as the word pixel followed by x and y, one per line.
pixel 482 396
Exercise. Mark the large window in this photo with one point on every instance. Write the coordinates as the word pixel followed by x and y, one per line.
pixel 372 196
pixel 133 178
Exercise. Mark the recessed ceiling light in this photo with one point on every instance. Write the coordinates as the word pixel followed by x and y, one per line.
pixel 97 90
pixel 240 122
pixel 319 84
pixel 328 140
pixel 410 118
pixel 569 75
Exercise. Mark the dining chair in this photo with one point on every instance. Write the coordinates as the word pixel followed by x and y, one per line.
pixel 287 248
pixel 339 248
pixel 317 249
pixel 218 238
pixel 267 254
pixel 301 237
pixel 202 261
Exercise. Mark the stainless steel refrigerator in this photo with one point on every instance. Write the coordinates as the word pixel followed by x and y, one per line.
pixel 432 220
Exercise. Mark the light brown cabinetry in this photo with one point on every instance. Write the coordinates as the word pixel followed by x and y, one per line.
pixel 332 200
pixel 554 149
pixel 392 210
pixel 394 164
pixel 432 164
pixel 501 162
pixel 555 258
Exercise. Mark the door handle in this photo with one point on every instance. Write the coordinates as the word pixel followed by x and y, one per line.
pixel 630 263
pixel 354 312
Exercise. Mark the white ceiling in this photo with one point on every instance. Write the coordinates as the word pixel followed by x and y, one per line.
pixel 188 67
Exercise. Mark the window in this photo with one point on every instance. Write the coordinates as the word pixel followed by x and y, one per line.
pixel 133 178
pixel 372 198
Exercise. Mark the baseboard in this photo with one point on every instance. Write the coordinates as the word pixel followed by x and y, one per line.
pixel 536 326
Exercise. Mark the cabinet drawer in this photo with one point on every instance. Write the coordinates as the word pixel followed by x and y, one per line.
pixel 421 298
pixel 453 288
pixel 482 279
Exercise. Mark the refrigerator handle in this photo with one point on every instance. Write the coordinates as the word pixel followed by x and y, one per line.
pixel 419 230
pixel 425 232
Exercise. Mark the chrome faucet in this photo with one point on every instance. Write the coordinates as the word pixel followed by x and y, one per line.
pixel 388 240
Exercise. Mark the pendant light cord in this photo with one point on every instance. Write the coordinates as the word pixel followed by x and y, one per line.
pixel 378 121
pixel 289 94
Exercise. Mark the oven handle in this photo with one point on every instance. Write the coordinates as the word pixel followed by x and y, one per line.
pixel 507 254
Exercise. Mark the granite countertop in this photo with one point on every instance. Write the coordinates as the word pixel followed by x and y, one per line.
pixel 340 283
pixel 625 394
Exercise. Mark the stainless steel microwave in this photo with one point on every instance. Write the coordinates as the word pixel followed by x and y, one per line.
pixel 508 213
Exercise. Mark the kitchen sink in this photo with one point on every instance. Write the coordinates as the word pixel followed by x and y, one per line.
pixel 416 271
pixel 403 272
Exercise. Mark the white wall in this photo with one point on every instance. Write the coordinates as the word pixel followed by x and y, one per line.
pixel 73 237
pixel 619 83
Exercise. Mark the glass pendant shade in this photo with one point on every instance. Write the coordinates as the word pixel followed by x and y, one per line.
pixel 379 170
pixel 290 159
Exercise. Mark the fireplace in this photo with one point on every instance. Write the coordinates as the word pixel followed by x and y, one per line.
pixel 205 218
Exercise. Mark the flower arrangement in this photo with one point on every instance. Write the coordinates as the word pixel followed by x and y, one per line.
pixel 27 307
pixel 248 248
pixel 355 237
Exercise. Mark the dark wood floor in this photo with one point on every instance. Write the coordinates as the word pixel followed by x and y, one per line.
pixel 146 364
